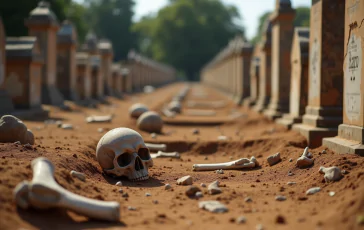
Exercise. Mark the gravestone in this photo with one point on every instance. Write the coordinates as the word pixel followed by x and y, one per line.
pixel 66 61
pixel 325 98
pixel 299 78
pixel 254 78
pixel 282 35
pixel 83 75
pixel 350 137
pixel 6 104
pixel 265 68
pixel 116 80
pixel 42 23
pixel 106 52
pixel 23 72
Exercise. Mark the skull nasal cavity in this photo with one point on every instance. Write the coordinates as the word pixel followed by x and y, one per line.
pixel 138 164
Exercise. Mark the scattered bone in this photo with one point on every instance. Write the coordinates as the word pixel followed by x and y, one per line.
pixel 155 202
pixel 174 106
pixel 161 154
pixel 203 185
pixel 213 188
pixel 43 192
pixel 186 180
pixel 213 206
pixel 168 113
pixel 99 119
pixel 199 112
pixel 100 130
pixel 240 220
pixel 66 126
pixel 13 129
pixel 125 195
pixel 290 173
pixel 332 193
pixel 345 172
pixel 156 147
pixel 281 198
pixel 331 173
pixel 222 138
pixel 147 194
pixel 119 183
pixel 153 135
pixel 136 110
pixel 130 208
pixel 304 161
pixel 219 171
pixel 274 159
pixel 78 175
pixel 150 122
pixel 192 190
pixel 167 186
pixel 199 194
pixel 248 199
pixel 291 183
pixel 313 190
pixel 237 164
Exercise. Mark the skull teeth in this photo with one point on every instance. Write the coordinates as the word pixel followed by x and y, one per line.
pixel 140 178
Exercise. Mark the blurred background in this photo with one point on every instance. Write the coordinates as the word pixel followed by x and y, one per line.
pixel 183 33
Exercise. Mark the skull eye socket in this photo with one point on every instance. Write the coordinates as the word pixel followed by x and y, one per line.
pixel 124 159
pixel 143 153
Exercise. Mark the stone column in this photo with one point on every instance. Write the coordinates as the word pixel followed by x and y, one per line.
pixel 106 52
pixel 325 97
pixel 265 68
pixel 299 78
pixel 42 23
pixel 83 75
pixel 116 83
pixel 6 104
pixel 254 78
pixel 245 51
pixel 350 138
pixel 66 61
pixel 282 34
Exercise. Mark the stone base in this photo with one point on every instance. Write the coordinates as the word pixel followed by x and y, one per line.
pixel 51 95
pixel 31 114
pixel 272 114
pixel 70 94
pixel 288 120
pixel 261 105
pixel 276 110
pixel 342 146
pixel 314 135
pixel 248 102
pixel 6 104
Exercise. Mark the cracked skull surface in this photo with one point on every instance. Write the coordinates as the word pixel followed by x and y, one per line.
pixel 122 152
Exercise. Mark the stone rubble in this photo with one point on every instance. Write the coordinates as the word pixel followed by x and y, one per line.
pixel 274 159
pixel 213 206
pixel 213 188
pixel 186 180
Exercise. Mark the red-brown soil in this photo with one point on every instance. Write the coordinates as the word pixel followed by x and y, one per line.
pixel 249 135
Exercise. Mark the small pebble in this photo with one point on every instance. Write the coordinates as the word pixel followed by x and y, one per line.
pixel 119 183
pixel 219 171
pixel 290 174
pixel 241 220
pixel 290 160
pixel 213 188
pixel 130 208
pixel 167 186
pixel 231 158
pixel 186 180
pixel 78 175
pixel 213 206
pixel 274 159
pixel 259 227
pixel 147 194
pixel 199 194
pixel 155 202
pixel 360 220
pixel 206 158
pixel 291 183
pixel 191 191
pixel 195 131
pixel 248 199
pixel 125 195
pixel 332 193
pixel 313 190
pixel 281 198
pixel 100 130
pixel 153 135
pixel 121 190
pixel 203 185
pixel 344 172
pixel 17 143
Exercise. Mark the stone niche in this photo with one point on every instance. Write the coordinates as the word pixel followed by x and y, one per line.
pixel 24 72
pixel 116 80
pixel 299 78
pixel 83 76
pixel 350 138
pixel 66 61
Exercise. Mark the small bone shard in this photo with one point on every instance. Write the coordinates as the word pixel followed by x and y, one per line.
pixel 43 192
pixel 78 175
pixel 313 190
pixel 168 113
pixel 304 160
pixel 186 180
pixel 199 112
pixel 213 188
pixel 274 159
pixel 331 173
pixel 66 126
pixel 213 206
pixel 237 164
pixel 161 154
pixel 99 119
pixel 156 147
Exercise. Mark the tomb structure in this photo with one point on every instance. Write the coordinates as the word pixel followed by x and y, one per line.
pixel 106 53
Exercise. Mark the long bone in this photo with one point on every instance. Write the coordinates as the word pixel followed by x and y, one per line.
pixel 237 164
pixel 199 112
pixel 99 119
pixel 161 154
pixel 156 147
pixel 43 192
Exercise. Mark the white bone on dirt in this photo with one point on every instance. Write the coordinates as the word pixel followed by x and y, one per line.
pixel 166 112
pixel 161 154
pixel 304 160
pixel 199 112
pixel 156 147
pixel 43 192
pixel 237 164
pixel 99 119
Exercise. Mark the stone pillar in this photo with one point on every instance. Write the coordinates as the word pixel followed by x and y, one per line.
pixel 299 78
pixel 245 51
pixel 282 34
pixel 106 52
pixel 23 72
pixel 116 80
pixel 83 75
pixel 42 23
pixel 254 78
pixel 6 104
pixel 350 138
pixel 325 98
pixel 66 61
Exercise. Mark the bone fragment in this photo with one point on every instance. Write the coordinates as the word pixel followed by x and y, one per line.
pixel 222 138
pixel 156 147
pixel 213 206
pixel 99 119
pixel 43 192
pixel 199 112
pixel 274 159
pixel 161 154
pixel 186 180
pixel 66 126
pixel 304 160
pixel 280 198
pixel 313 190
pixel 237 164
pixel 167 186
pixel 78 175
pixel 166 112
pixel 331 173
pixel 213 188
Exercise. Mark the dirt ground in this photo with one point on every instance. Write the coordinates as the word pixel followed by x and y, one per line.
pixel 249 134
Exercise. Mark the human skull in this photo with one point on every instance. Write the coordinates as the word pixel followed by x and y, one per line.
pixel 137 109
pixel 175 106
pixel 150 122
pixel 122 152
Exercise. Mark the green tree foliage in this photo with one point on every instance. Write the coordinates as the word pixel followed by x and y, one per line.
pixel 76 14
pixel 302 19
pixel 188 33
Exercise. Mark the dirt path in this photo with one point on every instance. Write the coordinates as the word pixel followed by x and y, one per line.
pixel 250 135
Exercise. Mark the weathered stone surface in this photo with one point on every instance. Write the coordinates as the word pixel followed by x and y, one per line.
pixel 136 110
pixel 313 190
pixel 331 173
pixel 213 206
pixel 12 129
pixel 186 180
pixel 274 159
pixel 213 188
